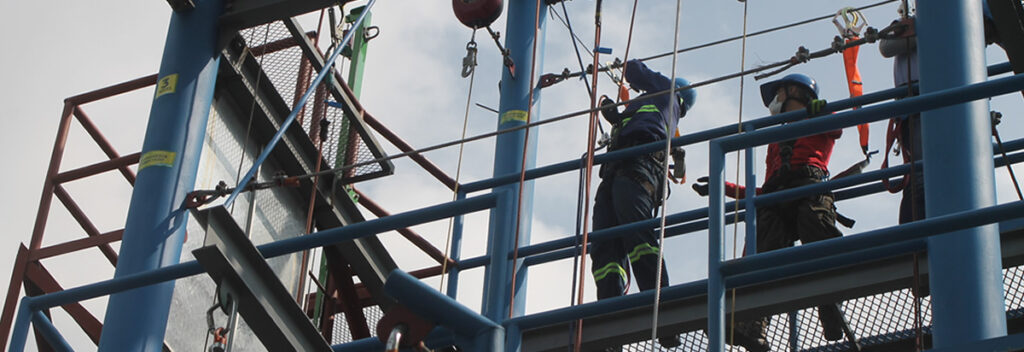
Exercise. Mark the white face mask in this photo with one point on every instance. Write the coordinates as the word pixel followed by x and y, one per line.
pixel 776 106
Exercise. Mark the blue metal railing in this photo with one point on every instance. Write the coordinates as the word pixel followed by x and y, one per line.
pixel 818 256
pixel 718 270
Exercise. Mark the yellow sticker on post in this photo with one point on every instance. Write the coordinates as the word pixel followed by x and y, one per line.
pixel 513 115
pixel 163 158
pixel 166 85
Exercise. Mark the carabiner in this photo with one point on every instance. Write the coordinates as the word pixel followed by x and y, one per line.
pixel 853 21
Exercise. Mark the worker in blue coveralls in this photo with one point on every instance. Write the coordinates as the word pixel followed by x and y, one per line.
pixel 631 189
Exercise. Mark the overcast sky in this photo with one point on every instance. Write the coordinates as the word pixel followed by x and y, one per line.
pixel 58 49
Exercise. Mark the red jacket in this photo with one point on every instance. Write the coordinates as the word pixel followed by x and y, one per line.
pixel 814 150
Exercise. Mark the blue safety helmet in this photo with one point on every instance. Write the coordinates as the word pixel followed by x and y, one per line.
pixel 768 89
pixel 686 96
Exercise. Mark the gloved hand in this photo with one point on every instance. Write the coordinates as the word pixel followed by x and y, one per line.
pixel 609 111
pixel 701 186
pixel 816 107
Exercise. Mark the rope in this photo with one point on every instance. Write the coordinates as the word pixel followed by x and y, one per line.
pixel 1013 177
pixel 522 168
pixel 316 180
pixel 588 173
pixel 625 56
pixel 458 170
pixel 739 37
pixel 736 218
pixel 532 124
pixel 252 109
pixel 664 191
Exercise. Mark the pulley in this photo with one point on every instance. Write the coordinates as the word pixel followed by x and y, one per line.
pixel 477 13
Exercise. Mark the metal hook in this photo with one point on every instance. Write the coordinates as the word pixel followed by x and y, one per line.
pixel 469 62
pixel 849 22
pixel 394 338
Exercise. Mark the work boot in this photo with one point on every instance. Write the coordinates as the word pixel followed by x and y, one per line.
pixel 751 344
pixel 669 341
pixel 831 321
pixel 744 336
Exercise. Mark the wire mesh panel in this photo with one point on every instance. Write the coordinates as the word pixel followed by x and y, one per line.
pixel 879 319
pixel 341 332
pixel 287 67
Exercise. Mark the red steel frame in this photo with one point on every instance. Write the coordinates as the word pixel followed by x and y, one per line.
pixel 29 273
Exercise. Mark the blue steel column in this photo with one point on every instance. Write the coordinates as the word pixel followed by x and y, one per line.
pixel 155 229
pixel 716 251
pixel 965 273
pixel 508 158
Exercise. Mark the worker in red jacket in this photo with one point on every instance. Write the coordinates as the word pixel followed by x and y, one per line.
pixel 791 164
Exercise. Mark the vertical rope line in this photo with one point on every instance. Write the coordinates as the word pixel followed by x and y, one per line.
pixel 589 172
pixel 1002 150
pixel 736 216
pixel 252 109
pixel 458 173
pixel 522 167
pixel 665 185
pixel 629 42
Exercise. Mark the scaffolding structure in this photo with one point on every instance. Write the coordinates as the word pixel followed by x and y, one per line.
pixel 974 303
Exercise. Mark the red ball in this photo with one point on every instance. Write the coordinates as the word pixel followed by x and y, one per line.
pixel 477 13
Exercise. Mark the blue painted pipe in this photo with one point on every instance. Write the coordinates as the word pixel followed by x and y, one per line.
pixel 455 251
pixel 750 241
pixel 514 153
pixel 19 334
pixel 434 306
pixel 50 333
pixel 439 337
pixel 270 250
pixel 607 306
pixel 917 229
pixel 445 311
pixel 716 251
pixel 925 102
pixel 155 227
pixel 328 64
pixel 966 279
pixel 702 136
pixel 797 268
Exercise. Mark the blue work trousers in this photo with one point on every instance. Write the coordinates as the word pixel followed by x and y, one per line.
pixel 629 192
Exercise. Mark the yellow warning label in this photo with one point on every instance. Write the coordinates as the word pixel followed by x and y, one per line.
pixel 157 158
pixel 166 85
pixel 513 115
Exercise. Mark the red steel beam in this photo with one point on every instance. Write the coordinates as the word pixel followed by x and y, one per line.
pixel 77 245
pixel 426 164
pixel 341 276
pixel 395 140
pixel 277 45
pixel 410 235
pixel 103 143
pixel 55 158
pixel 97 168
pixel 13 292
pixel 113 90
pixel 79 215
pixel 38 275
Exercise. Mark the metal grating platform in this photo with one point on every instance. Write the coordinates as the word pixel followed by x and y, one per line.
pixel 290 72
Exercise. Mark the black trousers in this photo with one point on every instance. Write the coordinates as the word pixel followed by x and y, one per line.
pixel 808 219
pixel 628 193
